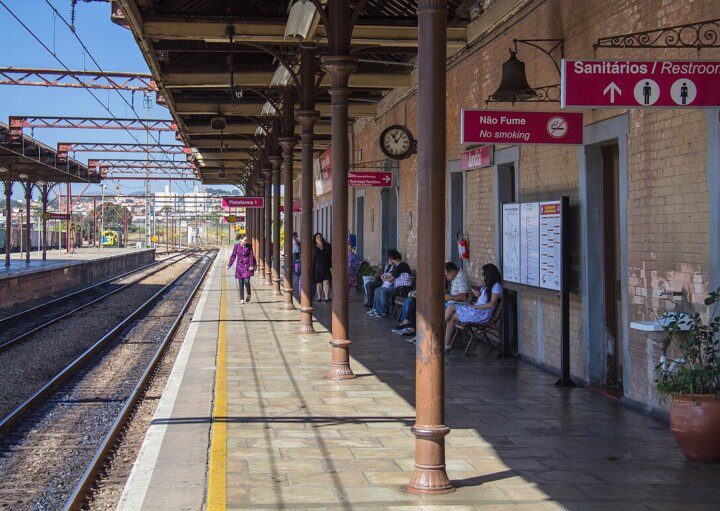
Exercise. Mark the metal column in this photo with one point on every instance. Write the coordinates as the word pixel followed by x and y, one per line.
pixel 276 161
pixel 339 64
pixel 307 116
pixel 430 430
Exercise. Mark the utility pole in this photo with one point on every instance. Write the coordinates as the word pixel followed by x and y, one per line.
pixel 147 102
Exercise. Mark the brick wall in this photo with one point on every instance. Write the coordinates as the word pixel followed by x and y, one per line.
pixel 667 204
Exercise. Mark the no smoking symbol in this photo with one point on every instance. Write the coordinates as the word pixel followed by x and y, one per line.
pixel 557 127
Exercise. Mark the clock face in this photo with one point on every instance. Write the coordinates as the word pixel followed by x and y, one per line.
pixel 397 142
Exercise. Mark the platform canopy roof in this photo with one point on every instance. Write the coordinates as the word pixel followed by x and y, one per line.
pixel 187 47
pixel 25 156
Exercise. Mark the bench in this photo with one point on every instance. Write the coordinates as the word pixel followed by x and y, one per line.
pixel 401 294
pixel 489 331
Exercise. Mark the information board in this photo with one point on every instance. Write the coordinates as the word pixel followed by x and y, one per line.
pixel 511 242
pixel 532 244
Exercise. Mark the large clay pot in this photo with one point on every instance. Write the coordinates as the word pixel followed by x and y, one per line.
pixel 695 424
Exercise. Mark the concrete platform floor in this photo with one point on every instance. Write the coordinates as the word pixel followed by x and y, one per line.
pixel 56 259
pixel 266 430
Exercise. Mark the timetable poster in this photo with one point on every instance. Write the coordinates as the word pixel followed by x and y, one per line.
pixel 530 243
pixel 550 244
pixel 511 242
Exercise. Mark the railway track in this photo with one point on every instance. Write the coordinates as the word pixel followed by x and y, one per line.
pixel 62 434
pixel 19 326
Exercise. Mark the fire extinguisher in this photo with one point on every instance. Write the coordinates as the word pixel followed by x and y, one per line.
pixel 462 246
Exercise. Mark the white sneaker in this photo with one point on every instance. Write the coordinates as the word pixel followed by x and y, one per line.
pixel 242 302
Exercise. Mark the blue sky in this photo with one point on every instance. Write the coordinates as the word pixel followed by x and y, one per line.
pixel 112 46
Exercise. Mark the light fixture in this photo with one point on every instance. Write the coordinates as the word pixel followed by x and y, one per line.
pixel 268 109
pixel 281 77
pixel 237 92
pixel 300 19
pixel 513 83
pixel 22 176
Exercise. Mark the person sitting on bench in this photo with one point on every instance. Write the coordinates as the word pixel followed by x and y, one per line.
pixel 481 311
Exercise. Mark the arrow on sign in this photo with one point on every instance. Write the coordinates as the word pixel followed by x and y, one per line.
pixel 387 179
pixel 612 89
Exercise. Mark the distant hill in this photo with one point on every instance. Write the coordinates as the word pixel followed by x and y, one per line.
pixel 218 191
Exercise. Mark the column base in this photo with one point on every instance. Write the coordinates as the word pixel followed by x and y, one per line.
pixel 306 330
pixel 288 306
pixel 340 371
pixel 340 368
pixel 430 478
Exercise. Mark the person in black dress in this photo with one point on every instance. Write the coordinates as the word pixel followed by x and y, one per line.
pixel 322 262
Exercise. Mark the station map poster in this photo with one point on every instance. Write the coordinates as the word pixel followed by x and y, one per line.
pixel 511 242
pixel 532 244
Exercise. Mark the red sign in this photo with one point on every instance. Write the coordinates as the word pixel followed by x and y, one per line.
pixel 369 178
pixel 670 84
pixel 513 127
pixel 243 202
pixel 323 172
pixel 476 158
pixel 57 216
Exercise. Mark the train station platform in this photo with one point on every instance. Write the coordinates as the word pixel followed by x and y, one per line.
pixel 24 282
pixel 248 421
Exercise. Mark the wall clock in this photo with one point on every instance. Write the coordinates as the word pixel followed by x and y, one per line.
pixel 397 142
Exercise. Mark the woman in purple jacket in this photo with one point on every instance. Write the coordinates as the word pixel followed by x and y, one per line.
pixel 245 267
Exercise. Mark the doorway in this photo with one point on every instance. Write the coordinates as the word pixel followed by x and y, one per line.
pixel 360 226
pixel 611 264
pixel 457 213
pixel 389 205
pixel 506 193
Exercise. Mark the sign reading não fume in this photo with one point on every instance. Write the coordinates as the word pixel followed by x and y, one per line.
pixel 667 84
pixel 514 127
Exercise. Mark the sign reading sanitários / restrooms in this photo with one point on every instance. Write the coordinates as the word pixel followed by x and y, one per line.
pixel 517 127
pixel 666 84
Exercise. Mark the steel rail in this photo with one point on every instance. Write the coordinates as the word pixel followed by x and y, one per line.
pixel 89 476
pixel 10 342
pixel 75 293
pixel 38 396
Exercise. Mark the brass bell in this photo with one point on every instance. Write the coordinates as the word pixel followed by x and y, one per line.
pixel 513 84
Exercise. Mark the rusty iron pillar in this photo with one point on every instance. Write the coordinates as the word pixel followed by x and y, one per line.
pixel 8 215
pixel 268 226
pixel 307 116
pixel 45 194
pixel 339 64
pixel 261 229
pixel 288 146
pixel 276 161
pixel 430 476
pixel 28 186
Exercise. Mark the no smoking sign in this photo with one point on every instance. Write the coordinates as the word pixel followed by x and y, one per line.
pixel 666 84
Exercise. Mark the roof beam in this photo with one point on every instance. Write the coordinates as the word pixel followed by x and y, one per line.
pixel 185 107
pixel 241 128
pixel 274 32
pixel 200 79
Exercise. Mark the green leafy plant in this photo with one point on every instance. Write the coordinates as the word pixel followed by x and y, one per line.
pixel 698 370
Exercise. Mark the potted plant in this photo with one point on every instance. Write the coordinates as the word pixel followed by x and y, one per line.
pixel 693 382
pixel 367 273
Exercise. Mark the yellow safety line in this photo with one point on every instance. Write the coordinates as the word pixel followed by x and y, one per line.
pixel 217 499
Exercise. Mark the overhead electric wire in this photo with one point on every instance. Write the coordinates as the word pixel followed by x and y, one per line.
pixel 54 55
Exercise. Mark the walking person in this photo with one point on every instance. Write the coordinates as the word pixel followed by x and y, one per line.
pixel 244 258
pixel 295 253
pixel 322 262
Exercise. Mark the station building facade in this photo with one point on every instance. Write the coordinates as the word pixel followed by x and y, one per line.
pixel 644 189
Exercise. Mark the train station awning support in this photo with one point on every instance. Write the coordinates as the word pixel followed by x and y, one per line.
pixel 339 64
pixel 287 142
pixel 307 115
pixel 8 215
pixel 276 161
pixel 430 476
pixel 268 223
